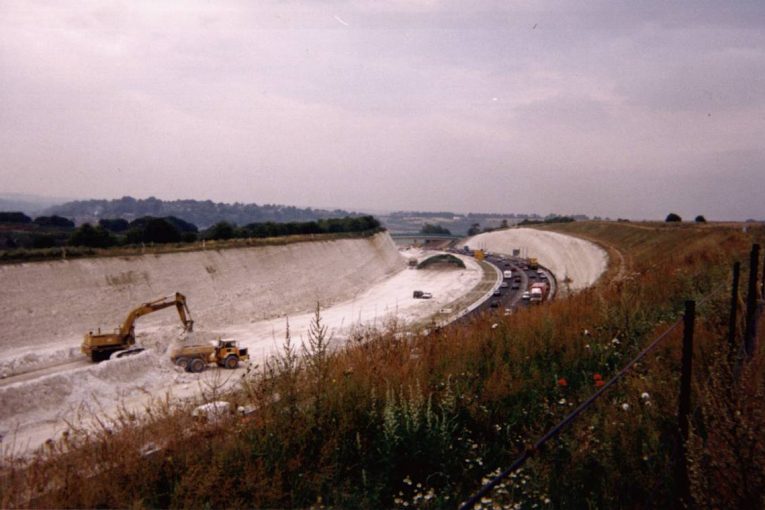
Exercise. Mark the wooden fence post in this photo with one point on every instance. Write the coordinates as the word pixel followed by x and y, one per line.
pixel 732 351
pixel 751 301
pixel 684 406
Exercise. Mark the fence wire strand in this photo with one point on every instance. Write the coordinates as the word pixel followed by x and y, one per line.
pixel 557 429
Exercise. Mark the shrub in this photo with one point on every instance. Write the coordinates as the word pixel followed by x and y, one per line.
pixel 672 217
pixel 700 219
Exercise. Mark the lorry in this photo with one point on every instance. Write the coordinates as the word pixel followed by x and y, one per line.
pixel 101 346
pixel 418 294
pixel 195 358
pixel 538 291
pixel 507 274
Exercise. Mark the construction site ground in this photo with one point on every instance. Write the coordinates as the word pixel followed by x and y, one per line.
pixel 247 294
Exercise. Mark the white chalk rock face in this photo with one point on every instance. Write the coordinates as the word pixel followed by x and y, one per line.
pixel 582 262
pixel 45 302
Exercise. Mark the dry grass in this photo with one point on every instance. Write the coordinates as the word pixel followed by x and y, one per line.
pixel 398 420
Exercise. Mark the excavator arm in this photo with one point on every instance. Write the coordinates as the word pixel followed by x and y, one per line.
pixel 100 346
pixel 179 300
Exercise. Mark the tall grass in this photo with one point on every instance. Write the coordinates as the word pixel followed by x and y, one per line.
pixel 399 420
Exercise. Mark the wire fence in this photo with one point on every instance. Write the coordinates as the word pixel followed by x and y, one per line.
pixel 747 349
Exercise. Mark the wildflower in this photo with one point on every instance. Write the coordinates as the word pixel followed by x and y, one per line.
pixel 615 341
pixel 600 383
pixel 626 406
pixel 587 346
pixel 586 332
pixel 645 395
pixel 562 382
pixel 494 326
pixel 597 377
pixel 562 401
pixel 408 480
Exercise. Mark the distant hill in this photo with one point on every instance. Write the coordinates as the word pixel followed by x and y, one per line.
pixel 458 224
pixel 28 204
pixel 201 213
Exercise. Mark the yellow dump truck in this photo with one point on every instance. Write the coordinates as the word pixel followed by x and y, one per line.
pixel 195 358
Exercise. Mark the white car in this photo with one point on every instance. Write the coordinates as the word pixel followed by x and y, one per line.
pixel 526 295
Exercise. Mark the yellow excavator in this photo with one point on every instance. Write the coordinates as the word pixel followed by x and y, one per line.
pixel 100 346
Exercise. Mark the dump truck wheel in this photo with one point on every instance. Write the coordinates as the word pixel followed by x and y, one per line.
pixel 232 361
pixel 197 365
pixel 182 362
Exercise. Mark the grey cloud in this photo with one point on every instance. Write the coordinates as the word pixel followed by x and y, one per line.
pixel 601 109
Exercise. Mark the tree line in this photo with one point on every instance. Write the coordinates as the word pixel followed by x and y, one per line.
pixel 201 212
pixel 20 231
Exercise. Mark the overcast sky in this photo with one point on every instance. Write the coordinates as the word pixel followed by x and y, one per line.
pixel 610 108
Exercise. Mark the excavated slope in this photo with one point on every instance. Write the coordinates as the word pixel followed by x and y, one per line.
pixel 47 302
pixel 569 258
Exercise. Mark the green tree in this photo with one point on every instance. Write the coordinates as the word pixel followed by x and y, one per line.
pixel 221 230
pixel 14 217
pixel 700 219
pixel 672 217
pixel 427 228
pixel 54 221
pixel 159 230
pixel 474 229
pixel 94 237
pixel 114 225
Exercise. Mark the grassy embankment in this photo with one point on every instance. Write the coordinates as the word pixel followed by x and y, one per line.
pixel 397 421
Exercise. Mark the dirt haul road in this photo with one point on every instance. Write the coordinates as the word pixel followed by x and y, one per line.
pixel 244 293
